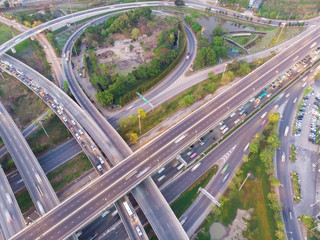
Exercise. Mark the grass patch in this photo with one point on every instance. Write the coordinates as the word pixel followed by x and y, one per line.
pixel 296 186
pixel 22 104
pixel 159 114
pixel 31 53
pixel 284 34
pixel 285 9
pixel 293 153
pixel 57 132
pixel 311 224
pixel 242 40
pixel 69 171
pixel 6 33
pixel 181 204
pixel 24 200
pixel 257 193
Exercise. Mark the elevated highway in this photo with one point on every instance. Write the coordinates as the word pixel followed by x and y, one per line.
pixel 161 149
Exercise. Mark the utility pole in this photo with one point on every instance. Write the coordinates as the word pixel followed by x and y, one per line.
pixel 244 181
pixel 139 123
pixel 43 129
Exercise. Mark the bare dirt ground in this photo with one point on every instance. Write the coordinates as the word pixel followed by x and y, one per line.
pixel 234 231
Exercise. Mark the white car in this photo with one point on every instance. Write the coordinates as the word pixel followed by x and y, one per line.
pixel 100 159
pixel 81 132
pixel 77 136
pixel 93 147
pixel 65 119
pixel 73 122
pixel 99 167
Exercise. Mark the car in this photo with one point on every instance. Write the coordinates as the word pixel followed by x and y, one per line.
pixel 83 144
pixel 73 122
pixel 93 148
pixel 65 119
pixel 139 231
pixel 53 105
pixel 100 159
pixel 81 132
pixel 8 216
pixel 59 112
pixel 93 236
pixel 203 142
pixel 192 146
pixel 77 136
pixel 99 167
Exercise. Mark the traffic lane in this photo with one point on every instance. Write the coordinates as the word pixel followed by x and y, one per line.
pixel 286 198
pixel 116 141
pixel 11 220
pixel 222 99
pixel 65 19
pixel 171 78
pixel 294 88
pixel 74 109
pixel 25 156
pixel 116 232
pixel 49 161
pixel 99 225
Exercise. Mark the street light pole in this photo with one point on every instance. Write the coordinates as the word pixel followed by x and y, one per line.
pixel 225 66
pixel 139 123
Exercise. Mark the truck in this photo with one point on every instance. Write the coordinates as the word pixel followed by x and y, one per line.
pixel 126 205
pixel 83 72
pixel 68 55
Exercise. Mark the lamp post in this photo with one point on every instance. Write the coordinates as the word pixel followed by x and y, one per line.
pixel 139 123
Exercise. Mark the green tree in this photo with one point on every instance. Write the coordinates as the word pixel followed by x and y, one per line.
pixel 227 77
pixel 273 15
pixel 216 32
pixel 188 100
pixel 142 113
pixel 66 86
pixel 254 146
pixel 218 41
pixel 179 2
pixel 244 69
pixel 274 117
pixel 132 137
pixel 104 98
pixel 135 33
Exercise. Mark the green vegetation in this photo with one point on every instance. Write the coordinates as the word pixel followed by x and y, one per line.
pixel 317 77
pixel 130 124
pixel 208 53
pixel 38 140
pixel 257 193
pixel 242 40
pixel 296 186
pixel 117 88
pixel 311 225
pixel 6 33
pixel 7 164
pixel 284 34
pixel 20 102
pixel 24 200
pixel 285 9
pixel 293 153
pixel 238 5
pixel 181 204
pixel 69 171
pixel 31 53
pixel 32 18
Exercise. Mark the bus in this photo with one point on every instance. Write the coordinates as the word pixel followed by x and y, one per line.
pixel 263 94
pixel 225 168
pixel 126 205
pixel 193 155
pixel 40 207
